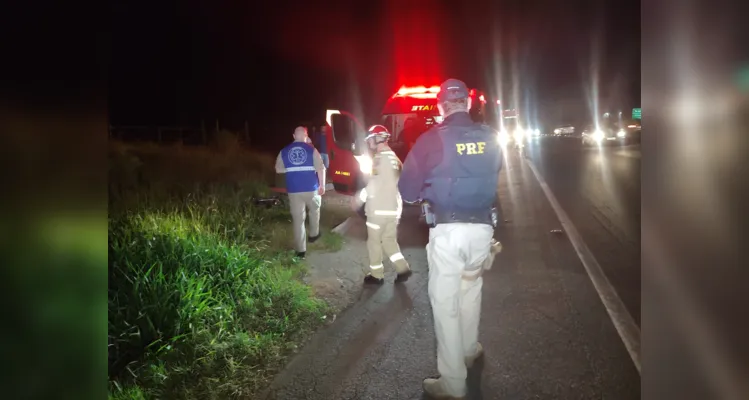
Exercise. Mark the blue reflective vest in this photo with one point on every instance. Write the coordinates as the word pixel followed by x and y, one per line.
pixel 463 186
pixel 298 159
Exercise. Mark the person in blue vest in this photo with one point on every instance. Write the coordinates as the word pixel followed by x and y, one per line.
pixel 305 185
pixel 454 167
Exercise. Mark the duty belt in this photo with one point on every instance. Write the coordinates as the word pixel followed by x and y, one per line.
pixel 470 217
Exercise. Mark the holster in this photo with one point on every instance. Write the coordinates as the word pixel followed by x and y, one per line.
pixel 429 217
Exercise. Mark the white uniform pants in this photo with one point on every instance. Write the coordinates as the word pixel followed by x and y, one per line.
pixel 298 204
pixel 456 254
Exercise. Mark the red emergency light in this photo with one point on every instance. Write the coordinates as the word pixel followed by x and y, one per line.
pixel 423 92
pixel 418 91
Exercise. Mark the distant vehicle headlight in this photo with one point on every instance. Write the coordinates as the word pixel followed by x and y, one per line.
pixel 537 132
pixel 365 163
pixel 518 134
pixel 503 138
pixel 621 133
pixel 557 131
pixel 598 135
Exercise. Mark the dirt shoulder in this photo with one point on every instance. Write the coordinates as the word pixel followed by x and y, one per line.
pixel 336 276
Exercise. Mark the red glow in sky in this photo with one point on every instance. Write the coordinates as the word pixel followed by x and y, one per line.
pixel 415 28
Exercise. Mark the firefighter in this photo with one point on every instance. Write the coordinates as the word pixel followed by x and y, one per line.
pixel 305 185
pixel 383 207
pixel 454 167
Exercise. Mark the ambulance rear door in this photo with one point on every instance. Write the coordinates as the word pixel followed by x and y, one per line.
pixel 350 161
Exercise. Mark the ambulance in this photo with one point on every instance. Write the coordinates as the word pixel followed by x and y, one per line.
pixel 407 114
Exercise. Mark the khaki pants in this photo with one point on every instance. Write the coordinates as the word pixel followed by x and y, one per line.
pixel 382 236
pixel 457 253
pixel 299 202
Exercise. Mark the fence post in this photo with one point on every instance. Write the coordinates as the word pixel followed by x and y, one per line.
pixel 217 127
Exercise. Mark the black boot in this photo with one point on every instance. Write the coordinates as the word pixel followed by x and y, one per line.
pixel 402 277
pixel 371 280
pixel 301 254
pixel 313 239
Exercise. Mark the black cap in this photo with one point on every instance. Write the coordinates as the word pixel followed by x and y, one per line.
pixel 452 89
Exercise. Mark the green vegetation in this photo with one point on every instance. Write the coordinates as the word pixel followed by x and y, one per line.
pixel 204 296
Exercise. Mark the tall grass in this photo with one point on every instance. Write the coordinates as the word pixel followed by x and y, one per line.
pixel 203 301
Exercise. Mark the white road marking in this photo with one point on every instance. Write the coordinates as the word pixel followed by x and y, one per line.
pixel 622 319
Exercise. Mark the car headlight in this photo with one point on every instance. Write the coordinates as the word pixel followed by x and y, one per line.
pixel 503 138
pixel 537 132
pixel 365 163
pixel 518 135
pixel 598 135
pixel 621 133
pixel 557 131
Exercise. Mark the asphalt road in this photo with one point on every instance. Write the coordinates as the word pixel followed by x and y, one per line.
pixel 599 189
pixel 544 328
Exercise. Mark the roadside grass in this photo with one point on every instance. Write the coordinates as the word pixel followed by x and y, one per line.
pixel 330 241
pixel 204 299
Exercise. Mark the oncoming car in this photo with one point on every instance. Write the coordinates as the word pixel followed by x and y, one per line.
pixel 602 135
pixel 617 132
pixel 512 131
pixel 564 130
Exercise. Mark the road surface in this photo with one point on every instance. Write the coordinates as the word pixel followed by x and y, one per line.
pixel 599 189
pixel 544 328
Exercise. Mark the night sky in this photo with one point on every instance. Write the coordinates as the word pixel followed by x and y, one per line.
pixel 283 64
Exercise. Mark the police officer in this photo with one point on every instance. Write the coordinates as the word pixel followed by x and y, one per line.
pixel 383 207
pixel 454 167
pixel 305 184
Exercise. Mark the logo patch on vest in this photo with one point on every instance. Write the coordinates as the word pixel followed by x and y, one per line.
pixel 297 155
pixel 470 148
